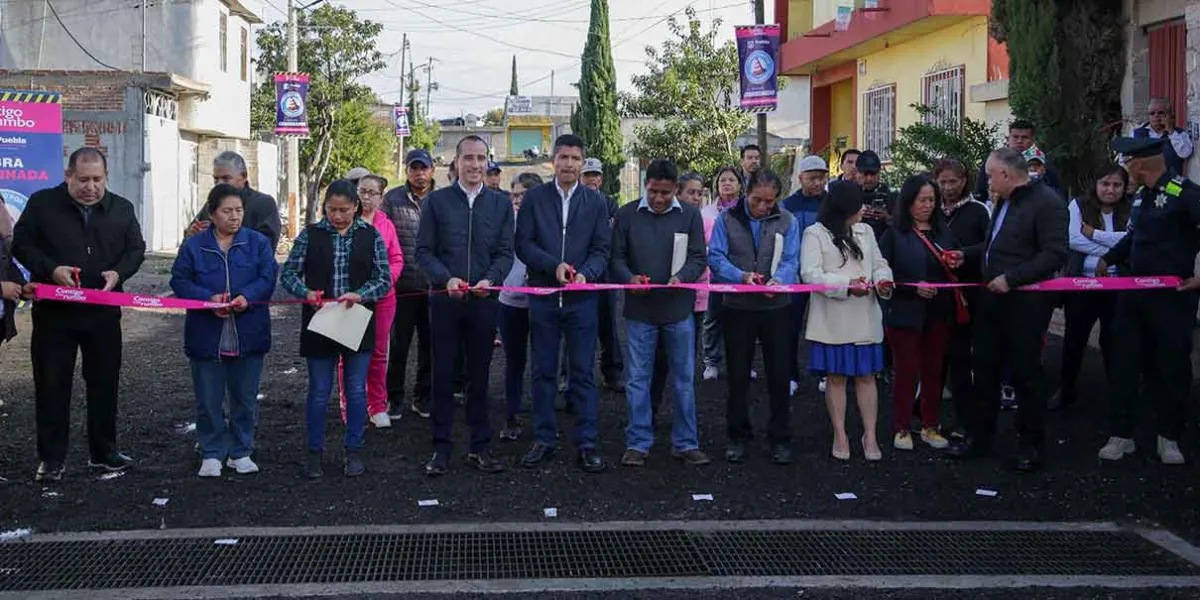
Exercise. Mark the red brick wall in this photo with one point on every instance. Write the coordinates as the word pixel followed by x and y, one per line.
pixel 90 91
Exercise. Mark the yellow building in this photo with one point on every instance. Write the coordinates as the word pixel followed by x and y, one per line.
pixel 868 74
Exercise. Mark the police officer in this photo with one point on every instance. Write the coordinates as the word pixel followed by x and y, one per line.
pixel 1154 326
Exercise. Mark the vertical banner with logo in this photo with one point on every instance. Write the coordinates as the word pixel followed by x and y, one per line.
pixel 31 146
pixel 400 116
pixel 291 104
pixel 758 49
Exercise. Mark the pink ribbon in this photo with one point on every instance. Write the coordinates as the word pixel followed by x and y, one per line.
pixel 1062 284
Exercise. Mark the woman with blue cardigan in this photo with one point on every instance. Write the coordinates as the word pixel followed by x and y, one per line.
pixel 226 263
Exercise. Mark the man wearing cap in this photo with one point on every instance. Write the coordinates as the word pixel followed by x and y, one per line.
pixel 877 199
pixel 1154 326
pixel 357 173
pixel 403 206
pixel 612 365
pixel 804 204
pixel 1178 147
pixel 492 179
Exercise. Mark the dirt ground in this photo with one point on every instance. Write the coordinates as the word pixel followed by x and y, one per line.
pixel 157 399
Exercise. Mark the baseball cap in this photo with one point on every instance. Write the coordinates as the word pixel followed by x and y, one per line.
pixel 357 173
pixel 1138 147
pixel 420 155
pixel 592 165
pixel 812 163
pixel 1034 153
pixel 493 167
pixel 868 162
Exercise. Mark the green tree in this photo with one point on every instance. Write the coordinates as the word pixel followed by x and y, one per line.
pixel 362 141
pixel 921 144
pixel 596 119
pixel 1067 61
pixel 689 94
pixel 424 132
pixel 494 117
pixel 512 87
pixel 336 48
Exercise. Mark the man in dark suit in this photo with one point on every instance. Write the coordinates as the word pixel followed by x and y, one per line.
pixel 1027 243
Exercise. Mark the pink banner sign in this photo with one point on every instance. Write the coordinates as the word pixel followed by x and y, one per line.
pixel 103 298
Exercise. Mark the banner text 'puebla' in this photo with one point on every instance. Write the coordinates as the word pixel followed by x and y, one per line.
pixel 291 104
pixel 758 54
pixel 1064 284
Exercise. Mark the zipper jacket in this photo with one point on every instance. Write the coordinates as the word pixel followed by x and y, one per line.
pixel 456 239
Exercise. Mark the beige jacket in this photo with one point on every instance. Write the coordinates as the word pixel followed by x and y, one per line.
pixel 834 316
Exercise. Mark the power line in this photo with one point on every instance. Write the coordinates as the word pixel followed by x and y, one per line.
pixel 72 36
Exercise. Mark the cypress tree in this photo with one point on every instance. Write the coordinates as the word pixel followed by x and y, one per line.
pixel 596 119
pixel 512 87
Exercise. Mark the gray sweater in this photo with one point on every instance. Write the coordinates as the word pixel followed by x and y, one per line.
pixel 642 244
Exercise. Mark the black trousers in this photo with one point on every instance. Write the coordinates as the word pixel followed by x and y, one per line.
pixel 1009 328
pixel 772 328
pixel 462 326
pixel 1155 333
pixel 958 364
pixel 57 337
pixel 412 316
pixel 1082 312
pixel 612 364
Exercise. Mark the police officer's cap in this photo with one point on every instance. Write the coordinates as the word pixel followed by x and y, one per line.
pixel 1138 147
pixel 868 162
pixel 493 168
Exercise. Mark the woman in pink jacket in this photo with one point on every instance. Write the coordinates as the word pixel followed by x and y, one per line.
pixel 370 191
pixel 691 191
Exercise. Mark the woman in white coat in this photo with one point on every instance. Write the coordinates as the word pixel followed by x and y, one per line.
pixel 845 323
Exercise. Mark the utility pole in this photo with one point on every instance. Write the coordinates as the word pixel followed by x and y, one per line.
pixel 143 4
pixel 400 139
pixel 759 18
pixel 428 86
pixel 293 143
pixel 551 83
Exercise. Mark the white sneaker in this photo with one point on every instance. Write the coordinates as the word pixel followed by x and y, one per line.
pixel 753 375
pixel 821 386
pixel 792 387
pixel 210 467
pixel 244 466
pixel 902 440
pixel 1117 448
pixel 381 420
pixel 711 373
pixel 1168 452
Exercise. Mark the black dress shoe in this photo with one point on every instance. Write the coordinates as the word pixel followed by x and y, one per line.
pixel 781 454
pixel 735 452
pixel 1027 460
pixel 965 449
pixel 538 454
pixel 352 465
pixel 591 462
pixel 438 465
pixel 512 431
pixel 484 462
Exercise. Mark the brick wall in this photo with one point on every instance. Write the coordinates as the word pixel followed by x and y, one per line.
pixel 90 91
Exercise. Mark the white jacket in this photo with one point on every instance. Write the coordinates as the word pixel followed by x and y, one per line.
pixel 834 316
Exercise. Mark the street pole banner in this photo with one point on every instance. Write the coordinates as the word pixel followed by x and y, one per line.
pixel 400 115
pixel 758 50
pixel 31 148
pixel 291 104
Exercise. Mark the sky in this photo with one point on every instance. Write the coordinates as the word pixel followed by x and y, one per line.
pixel 472 42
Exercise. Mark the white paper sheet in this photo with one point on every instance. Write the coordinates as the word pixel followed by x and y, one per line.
pixel 427 502
pixel 846 496
pixel 778 253
pixel 679 253
pixel 988 493
pixel 702 497
pixel 550 513
pixel 345 326
pixel 226 542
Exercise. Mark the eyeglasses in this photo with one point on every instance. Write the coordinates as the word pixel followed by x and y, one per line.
pixel 1159 113
pixel 369 193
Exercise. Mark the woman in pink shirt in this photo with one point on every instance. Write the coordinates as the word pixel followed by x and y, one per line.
pixel 370 191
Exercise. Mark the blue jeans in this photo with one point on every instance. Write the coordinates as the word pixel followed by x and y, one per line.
pixel 576 321
pixel 679 340
pixel 320 385
pixel 220 436
pixel 514 334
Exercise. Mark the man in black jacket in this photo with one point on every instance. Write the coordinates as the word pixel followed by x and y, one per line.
pixel 261 211
pixel 12 288
pixel 1027 243
pixel 1021 137
pixel 464 242
pixel 78 234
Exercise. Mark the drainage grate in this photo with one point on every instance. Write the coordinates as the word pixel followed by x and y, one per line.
pixel 589 554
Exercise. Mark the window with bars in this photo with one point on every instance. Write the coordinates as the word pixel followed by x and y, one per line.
pixel 879 118
pixel 245 54
pixel 223 42
pixel 942 91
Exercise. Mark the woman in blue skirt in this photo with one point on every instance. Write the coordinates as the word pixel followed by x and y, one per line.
pixel 845 323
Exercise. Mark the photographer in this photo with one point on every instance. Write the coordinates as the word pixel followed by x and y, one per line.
pixel 877 199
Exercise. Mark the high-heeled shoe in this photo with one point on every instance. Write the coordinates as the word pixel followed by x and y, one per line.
pixel 871 456
pixel 842 454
